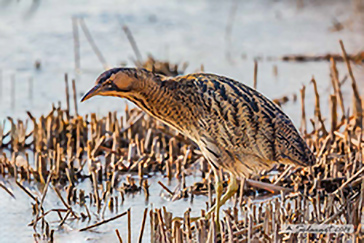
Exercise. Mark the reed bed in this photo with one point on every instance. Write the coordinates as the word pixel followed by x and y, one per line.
pixel 61 149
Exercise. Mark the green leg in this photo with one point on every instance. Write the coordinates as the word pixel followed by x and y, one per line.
pixel 219 189
pixel 231 190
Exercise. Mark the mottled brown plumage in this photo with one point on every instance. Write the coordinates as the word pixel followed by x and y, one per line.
pixel 235 126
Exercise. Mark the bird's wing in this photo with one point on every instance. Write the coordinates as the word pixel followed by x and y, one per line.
pixel 241 120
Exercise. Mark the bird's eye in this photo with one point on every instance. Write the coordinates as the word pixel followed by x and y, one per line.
pixel 108 84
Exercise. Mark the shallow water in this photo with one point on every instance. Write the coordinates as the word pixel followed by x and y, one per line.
pixel 17 213
pixel 178 31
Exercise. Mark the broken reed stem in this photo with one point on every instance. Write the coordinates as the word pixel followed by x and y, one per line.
pixel 45 190
pixel 303 110
pixel 255 74
pixel 87 211
pixel 58 211
pixel 333 108
pixel 355 88
pixel 241 191
pixel 7 190
pixel 75 96
pixel 357 100
pixel 118 235
pixel 165 188
pixel 349 180
pixel 64 202
pixel 65 218
pixel 317 106
pixel 92 43
pixel 283 174
pixel 76 44
pixel 140 239
pixel 133 44
pixel 129 225
pixel 96 191
pixel 103 222
pixel 27 191
pixel 317 99
pixel 336 85
pixel 342 209
pixel 67 94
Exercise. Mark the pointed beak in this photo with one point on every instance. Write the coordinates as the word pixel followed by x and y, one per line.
pixel 92 92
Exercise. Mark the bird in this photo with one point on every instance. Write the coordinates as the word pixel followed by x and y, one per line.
pixel 237 129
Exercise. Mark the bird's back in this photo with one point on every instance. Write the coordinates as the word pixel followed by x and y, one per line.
pixel 238 123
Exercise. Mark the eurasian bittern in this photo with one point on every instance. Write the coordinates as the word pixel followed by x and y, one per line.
pixel 236 127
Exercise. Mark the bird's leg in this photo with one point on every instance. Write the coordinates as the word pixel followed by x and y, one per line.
pixel 219 189
pixel 231 190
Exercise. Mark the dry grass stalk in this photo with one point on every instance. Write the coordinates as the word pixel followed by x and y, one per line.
pixel 140 239
pixel 255 74
pixel 103 222
pixel 118 235
pixel 358 110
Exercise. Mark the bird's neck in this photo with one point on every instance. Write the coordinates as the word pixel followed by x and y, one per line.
pixel 161 101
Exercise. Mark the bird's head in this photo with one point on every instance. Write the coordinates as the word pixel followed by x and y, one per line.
pixel 117 82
